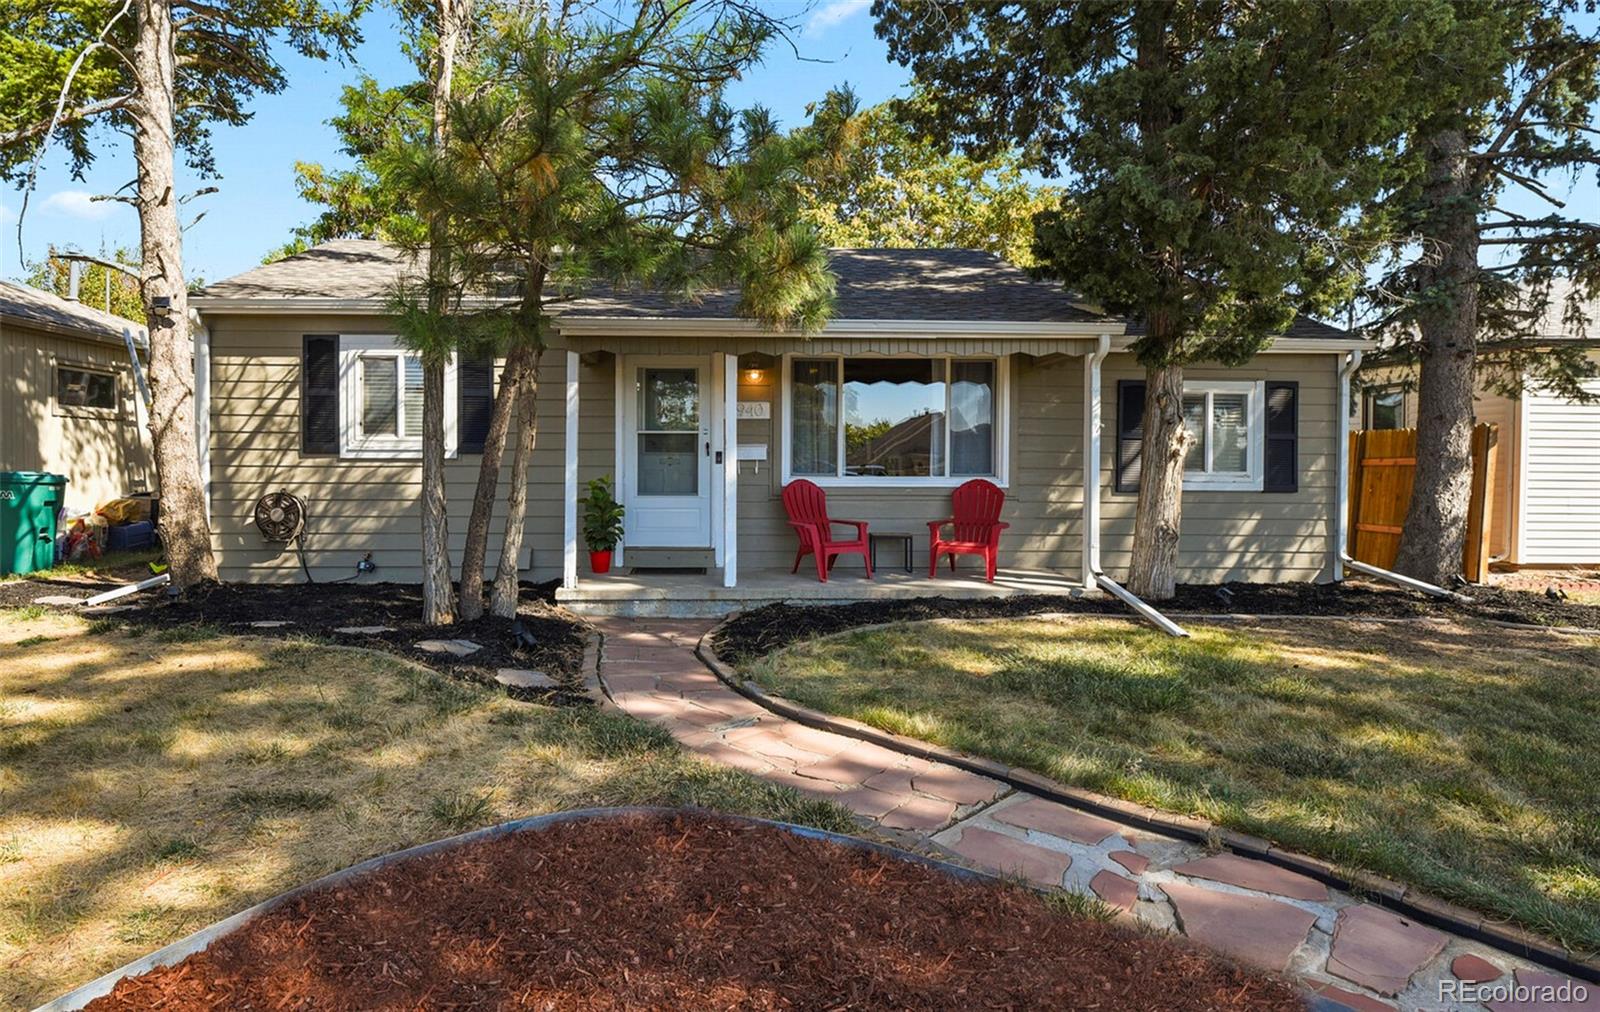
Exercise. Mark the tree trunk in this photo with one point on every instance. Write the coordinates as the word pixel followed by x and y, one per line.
pixel 1154 572
pixel 494 449
pixel 503 601
pixel 1435 531
pixel 184 532
pixel 438 595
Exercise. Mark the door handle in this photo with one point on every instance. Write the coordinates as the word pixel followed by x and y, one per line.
pixel 708 447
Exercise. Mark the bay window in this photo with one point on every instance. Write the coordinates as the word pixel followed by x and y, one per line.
pixel 893 420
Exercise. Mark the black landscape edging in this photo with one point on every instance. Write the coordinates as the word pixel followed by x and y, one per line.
pixel 1381 892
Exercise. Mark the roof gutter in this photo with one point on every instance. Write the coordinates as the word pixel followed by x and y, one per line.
pixel 1092 576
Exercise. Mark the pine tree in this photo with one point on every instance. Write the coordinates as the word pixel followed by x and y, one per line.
pixel 1217 160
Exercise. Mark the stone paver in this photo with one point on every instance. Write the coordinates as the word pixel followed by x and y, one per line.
pixel 59 600
pixel 524 678
pixel 1115 890
pixel 1475 969
pixel 1134 862
pixel 1351 1000
pixel 1379 949
pixel 1251 928
pixel 270 624
pixel 1258 875
pixel 364 630
pixel 1281 923
pixel 1006 854
pixel 1058 820
pixel 1549 992
pixel 957 785
pixel 455 648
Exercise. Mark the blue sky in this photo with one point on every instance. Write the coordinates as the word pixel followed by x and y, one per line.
pixel 257 205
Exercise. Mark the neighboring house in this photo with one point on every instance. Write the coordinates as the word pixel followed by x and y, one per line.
pixel 940 365
pixel 1545 505
pixel 68 402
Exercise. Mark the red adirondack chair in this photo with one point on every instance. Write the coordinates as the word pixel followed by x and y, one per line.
pixel 976 524
pixel 807 507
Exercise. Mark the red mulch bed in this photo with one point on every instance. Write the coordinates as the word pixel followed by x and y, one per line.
pixel 695 912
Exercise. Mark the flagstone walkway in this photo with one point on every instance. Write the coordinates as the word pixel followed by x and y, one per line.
pixel 1351 953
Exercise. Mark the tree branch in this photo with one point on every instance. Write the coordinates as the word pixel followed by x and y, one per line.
pixel 1514 121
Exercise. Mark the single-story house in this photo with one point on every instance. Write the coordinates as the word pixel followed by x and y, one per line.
pixel 1544 508
pixel 938 366
pixel 68 402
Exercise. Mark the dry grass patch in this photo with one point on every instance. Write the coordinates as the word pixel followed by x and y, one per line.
pixel 150 785
pixel 1463 759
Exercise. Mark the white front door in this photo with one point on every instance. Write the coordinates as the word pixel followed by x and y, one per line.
pixel 667 452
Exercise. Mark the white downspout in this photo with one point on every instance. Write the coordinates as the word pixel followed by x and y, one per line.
pixel 202 406
pixel 1352 362
pixel 1091 461
pixel 1092 576
pixel 1341 520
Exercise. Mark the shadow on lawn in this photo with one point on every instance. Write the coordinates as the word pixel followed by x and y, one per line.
pixel 153 784
pixel 1459 758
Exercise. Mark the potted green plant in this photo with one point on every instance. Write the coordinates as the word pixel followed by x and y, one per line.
pixel 602 523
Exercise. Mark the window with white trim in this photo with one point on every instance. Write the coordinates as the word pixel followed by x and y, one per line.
pixel 381 399
pixel 1226 424
pixel 900 420
pixel 83 387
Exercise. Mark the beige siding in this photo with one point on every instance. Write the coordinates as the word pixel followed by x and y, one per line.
pixel 360 506
pixel 102 453
pixel 1240 535
pixel 353 506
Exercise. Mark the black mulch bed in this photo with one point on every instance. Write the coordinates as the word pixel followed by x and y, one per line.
pixel 22 593
pixel 317 609
pixel 760 632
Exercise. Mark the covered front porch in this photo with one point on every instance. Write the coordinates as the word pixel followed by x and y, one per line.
pixel 680 594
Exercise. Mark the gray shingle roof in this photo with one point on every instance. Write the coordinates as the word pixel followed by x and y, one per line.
pixel 873 284
pixel 33 307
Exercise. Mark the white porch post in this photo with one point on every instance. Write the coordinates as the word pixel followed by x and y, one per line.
pixel 1091 461
pixel 569 513
pixel 730 470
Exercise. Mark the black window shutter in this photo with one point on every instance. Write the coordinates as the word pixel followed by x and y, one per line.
pixel 319 394
pixel 1283 451
pixel 1130 434
pixel 475 387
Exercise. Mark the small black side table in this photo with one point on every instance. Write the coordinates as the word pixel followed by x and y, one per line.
pixel 873 537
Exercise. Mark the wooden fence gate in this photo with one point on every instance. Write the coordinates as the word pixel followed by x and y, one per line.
pixel 1383 465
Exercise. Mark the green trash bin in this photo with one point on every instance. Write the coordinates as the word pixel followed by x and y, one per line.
pixel 29 504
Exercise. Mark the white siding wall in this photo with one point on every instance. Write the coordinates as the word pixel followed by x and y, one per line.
pixel 1561 491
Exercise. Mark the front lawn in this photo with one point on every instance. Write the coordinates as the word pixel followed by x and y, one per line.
pixel 152 784
pixel 1464 759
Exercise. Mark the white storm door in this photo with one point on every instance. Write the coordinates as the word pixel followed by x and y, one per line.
pixel 668 453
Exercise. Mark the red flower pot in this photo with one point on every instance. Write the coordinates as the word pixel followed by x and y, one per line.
pixel 600 562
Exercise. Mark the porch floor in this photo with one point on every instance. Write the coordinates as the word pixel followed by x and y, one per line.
pixel 683 595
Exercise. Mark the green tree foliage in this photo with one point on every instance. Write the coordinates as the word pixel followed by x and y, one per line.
pixel 1470 282
pixel 161 72
pixel 589 150
pixel 54 274
pixel 894 187
pixel 224 56
pixel 1218 159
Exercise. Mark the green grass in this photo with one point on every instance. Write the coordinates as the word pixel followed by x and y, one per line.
pixel 148 788
pixel 1462 760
